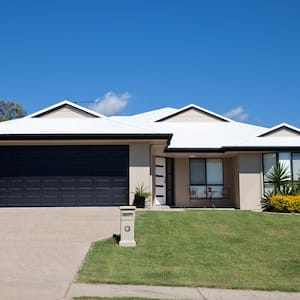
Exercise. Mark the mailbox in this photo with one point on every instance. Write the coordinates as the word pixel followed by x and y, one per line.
pixel 127 215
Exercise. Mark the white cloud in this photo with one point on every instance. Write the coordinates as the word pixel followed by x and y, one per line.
pixel 237 113
pixel 111 103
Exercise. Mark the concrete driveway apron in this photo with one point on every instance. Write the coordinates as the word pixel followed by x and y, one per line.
pixel 41 249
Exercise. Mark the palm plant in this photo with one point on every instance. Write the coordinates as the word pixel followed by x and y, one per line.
pixel 279 176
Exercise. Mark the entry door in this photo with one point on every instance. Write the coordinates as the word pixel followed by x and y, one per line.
pixel 160 181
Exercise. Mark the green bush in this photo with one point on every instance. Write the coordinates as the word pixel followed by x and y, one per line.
pixel 284 203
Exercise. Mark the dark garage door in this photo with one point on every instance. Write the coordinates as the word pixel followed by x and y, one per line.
pixel 64 176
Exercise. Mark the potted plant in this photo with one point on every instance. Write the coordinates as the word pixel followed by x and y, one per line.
pixel 140 196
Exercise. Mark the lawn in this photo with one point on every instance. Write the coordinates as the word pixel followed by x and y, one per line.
pixel 113 298
pixel 220 249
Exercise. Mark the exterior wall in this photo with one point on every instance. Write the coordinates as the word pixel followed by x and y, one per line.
pixel 250 181
pixel 284 132
pixel 192 115
pixel 139 168
pixel 236 189
pixel 66 112
pixel 182 191
pixel 181 182
pixel 228 200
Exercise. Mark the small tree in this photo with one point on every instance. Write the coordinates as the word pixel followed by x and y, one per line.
pixel 279 177
pixel 10 110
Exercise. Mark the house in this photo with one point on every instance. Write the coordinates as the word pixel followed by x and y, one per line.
pixel 68 155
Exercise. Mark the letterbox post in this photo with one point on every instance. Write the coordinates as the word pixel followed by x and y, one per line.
pixel 127 215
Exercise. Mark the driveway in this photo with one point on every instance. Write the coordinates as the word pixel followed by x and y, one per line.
pixel 41 249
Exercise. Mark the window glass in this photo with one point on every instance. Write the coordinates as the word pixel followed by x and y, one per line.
pixel 269 162
pixel 268 187
pixel 197 171
pixel 198 191
pixel 215 191
pixel 296 166
pixel 214 171
pixel 285 159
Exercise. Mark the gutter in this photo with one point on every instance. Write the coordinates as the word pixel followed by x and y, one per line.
pixel 117 136
pixel 232 148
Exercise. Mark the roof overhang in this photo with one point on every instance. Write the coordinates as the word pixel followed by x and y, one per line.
pixel 235 149
pixel 117 136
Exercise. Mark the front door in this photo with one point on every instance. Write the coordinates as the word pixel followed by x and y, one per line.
pixel 160 181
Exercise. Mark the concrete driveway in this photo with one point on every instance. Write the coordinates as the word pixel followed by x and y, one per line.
pixel 41 249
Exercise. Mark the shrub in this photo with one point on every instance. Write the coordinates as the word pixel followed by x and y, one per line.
pixel 284 203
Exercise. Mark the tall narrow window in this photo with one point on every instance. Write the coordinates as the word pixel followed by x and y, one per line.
pixel 198 178
pixel 269 162
pixel 285 159
pixel 296 166
pixel 206 178
pixel 291 160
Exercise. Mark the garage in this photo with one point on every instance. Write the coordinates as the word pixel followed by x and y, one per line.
pixel 64 175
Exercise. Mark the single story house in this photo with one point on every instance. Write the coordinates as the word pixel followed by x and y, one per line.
pixel 68 155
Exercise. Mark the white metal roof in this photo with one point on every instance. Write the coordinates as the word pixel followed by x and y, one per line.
pixel 70 126
pixel 185 135
pixel 156 114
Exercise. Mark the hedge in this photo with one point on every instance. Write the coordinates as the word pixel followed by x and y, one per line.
pixel 285 203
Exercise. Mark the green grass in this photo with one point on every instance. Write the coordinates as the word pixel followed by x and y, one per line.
pixel 220 249
pixel 113 298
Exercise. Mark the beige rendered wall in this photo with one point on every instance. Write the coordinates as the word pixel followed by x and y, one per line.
pixel 250 181
pixel 228 180
pixel 181 182
pixel 235 187
pixel 192 115
pixel 284 132
pixel 182 186
pixel 139 168
pixel 66 112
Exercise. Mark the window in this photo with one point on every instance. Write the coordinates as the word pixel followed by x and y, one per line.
pixel 288 159
pixel 206 178
pixel 296 166
pixel 269 162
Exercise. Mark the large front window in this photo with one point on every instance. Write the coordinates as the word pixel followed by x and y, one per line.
pixel 291 160
pixel 206 178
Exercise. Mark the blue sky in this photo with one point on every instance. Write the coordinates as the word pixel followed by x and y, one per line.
pixel 142 55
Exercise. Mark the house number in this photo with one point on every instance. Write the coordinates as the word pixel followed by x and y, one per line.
pixel 127 228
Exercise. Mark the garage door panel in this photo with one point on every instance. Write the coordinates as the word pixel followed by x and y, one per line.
pixel 85 198
pixel 3 184
pixel 50 198
pixel 64 175
pixel 16 184
pixel 34 199
pixel 102 183
pixel 86 183
pixel 14 198
pixel 67 183
pixel 119 182
pixel 33 184
pixel 67 198
pixel 50 183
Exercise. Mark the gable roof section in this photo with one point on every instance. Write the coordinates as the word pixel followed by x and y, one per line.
pixel 283 130
pixel 192 135
pixel 35 128
pixel 66 104
pixel 200 110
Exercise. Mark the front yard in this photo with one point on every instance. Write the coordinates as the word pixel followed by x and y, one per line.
pixel 221 249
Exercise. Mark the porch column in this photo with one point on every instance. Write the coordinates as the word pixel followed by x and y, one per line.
pixel 139 168
pixel 250 181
